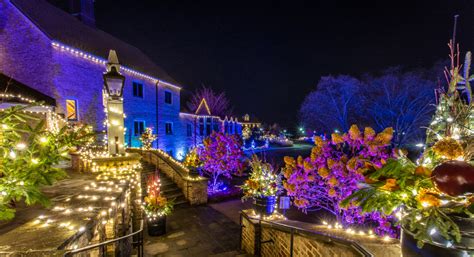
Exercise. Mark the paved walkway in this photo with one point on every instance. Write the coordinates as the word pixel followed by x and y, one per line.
pixel 196 231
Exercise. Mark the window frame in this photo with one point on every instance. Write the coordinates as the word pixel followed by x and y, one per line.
pixel 139 86
pixel 171 128
pixel 189 130
pixel 76 109
pixel 167 92
pixel 134 129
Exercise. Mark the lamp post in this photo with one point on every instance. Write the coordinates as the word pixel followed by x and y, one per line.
pixel 113 90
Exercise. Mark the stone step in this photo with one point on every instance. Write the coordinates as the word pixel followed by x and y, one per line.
pixel 166 182
pixel 173 194
pixel 168 188
pixel 178 200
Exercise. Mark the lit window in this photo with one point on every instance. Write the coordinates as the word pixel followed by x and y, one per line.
pixel 71 110
pixel 138 127
pixel 168 97
pixel 169 128
pixel 138 89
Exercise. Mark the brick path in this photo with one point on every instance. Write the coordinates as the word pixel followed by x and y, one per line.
pixel 196 231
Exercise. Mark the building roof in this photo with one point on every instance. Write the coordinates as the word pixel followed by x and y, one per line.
pixel 249 119
pixel 66 29
pixel 14 88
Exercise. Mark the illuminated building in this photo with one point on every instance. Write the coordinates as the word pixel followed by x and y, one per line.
pixel 64 56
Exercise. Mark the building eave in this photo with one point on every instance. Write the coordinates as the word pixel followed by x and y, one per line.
pixel 99 60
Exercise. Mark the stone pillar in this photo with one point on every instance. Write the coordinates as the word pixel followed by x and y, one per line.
pixel 115 128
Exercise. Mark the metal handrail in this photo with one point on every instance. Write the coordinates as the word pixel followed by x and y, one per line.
pixel 292 229
pixel 90 247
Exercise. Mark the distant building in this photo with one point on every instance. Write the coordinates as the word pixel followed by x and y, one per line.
pixel 202 123
pixel 250 122
pixel 63 56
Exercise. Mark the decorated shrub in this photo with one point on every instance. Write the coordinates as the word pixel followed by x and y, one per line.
pixel 192 160
pixel 333 172
pixel 156 205
pixel 147 138
pixel 262 182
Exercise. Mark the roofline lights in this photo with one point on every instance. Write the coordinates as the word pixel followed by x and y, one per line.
pixel 99 60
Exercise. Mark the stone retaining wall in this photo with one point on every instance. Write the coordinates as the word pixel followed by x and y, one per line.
pixel 274 239
pixel 194 188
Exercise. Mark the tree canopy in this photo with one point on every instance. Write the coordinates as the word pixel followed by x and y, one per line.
pixel 393 98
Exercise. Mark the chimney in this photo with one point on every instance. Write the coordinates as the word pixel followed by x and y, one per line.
pixel 83 10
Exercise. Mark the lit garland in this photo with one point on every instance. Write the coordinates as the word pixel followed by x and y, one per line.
pixel 170 159
pixel 101 61
pixel 353 232
pixel 53 118
pixel 275 216
pixel 100 201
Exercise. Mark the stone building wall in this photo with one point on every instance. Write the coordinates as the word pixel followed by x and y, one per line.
pixel 27 55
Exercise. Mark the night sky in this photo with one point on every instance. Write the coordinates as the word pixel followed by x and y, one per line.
pixel 267 56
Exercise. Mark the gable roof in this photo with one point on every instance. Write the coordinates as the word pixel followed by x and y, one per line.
pixel 203 108
pixel 65 28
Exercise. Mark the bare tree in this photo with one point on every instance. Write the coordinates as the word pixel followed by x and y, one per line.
pixel 335 104
pixel 218 103
pixel 403 101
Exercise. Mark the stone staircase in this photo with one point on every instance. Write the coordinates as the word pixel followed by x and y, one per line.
pixel 168 188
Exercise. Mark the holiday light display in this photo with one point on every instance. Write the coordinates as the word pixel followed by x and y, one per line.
pixel 192 160
pixel 100 201
pixel 156 205
pixel 30 151
pixel 263 181
pixel 147 138
pixel 333 172
pixel 246 133
pixel 221 154
pixel 87 56
pixel 434 192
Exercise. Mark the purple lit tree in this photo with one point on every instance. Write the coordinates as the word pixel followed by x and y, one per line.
pixel 333 172
pixel 218 103
pixel 221 154
pixel 393 98
pixel 402 100
pixel 335 104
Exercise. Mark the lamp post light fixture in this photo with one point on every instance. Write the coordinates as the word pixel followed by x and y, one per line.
pixel 113 91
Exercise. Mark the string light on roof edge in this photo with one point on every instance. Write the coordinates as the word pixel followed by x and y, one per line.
pixel 99 60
